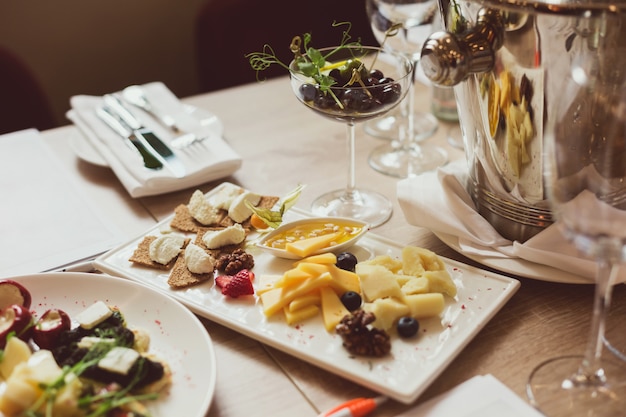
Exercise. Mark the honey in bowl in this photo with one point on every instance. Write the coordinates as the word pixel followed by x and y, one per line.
pixel 312 236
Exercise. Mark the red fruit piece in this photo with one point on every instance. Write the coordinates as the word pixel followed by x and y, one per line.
pixel 49 327
pixel 223 280
pixel 247 274
pixel 12 292
pixel 238 286
pixel 17 319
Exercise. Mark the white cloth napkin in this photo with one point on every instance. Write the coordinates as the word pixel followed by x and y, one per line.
pixel 209 160
pixel 480 396
pixel 439 201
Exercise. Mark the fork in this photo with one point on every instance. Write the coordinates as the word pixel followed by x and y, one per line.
pixel 135 95
pixel 186 140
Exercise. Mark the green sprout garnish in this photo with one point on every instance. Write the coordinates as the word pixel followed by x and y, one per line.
pixel 273 218
pixel 309 61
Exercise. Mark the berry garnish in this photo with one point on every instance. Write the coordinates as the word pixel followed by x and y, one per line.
pixel 407 326
pixel 236 285
pixel 351 300
pixel 347 261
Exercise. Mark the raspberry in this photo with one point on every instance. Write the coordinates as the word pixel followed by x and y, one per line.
pixel 236 285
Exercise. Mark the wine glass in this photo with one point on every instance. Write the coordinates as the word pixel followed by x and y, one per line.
pixel 403 26
pixel 585 150
pixel 369 81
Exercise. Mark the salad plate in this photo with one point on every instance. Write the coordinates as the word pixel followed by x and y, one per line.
pixel 403 374
pixel 176 335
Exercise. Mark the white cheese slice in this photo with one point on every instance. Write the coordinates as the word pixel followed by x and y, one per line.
pixel 93 315
pixel 119 360
pixel 238 210
pixel 88 342
pixel 166 247
pixel 201 210
pixel 223 198
pixel 197 260
pixel 231 235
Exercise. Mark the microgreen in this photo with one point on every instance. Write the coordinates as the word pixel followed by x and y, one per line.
pixel 307 60
pixel 273 218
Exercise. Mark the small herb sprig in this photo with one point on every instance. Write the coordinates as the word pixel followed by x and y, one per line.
pixel 309 61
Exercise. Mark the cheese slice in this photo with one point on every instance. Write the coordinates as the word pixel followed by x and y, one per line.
pixel 119 360
pixel 93 315
pixel 277 298
pixel 306 247
pixel 333 309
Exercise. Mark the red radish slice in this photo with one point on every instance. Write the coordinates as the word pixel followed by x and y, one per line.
pixel 17 319
pixel 49 327
pixel 12 292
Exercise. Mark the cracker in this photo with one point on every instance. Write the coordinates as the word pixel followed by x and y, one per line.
pixel 181 277
pixel 184 221
pixel 215 253
pixel 141 255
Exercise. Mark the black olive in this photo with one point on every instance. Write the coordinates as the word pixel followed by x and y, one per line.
pixel 407 326
pixel 351 300
pixel 347 261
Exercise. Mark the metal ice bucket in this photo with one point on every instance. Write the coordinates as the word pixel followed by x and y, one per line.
pixel 506 60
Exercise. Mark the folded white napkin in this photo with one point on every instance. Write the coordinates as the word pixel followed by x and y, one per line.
pixel 209 160
pixel 439 201
pixel 480 396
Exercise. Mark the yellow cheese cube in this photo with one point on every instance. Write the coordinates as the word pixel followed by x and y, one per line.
pixel 266 282
pixel 441 281
pixel 300 315
pixel 344 281
pixel 322 258
pixel 313 268
pixel 333 309
pixel 416 260
pixel 306 247
pixel 392 264
pixel 377 282
pixel 293 276
pixel 312 298
pixel 16 351
pixel 416 285
pixel 387 311
pixel 277 298
pixel 423 306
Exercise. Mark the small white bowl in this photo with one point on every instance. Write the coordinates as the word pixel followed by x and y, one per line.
pixel 341 247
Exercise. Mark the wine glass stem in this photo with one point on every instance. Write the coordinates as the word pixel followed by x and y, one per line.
pixel 351 193
pixel 407 137
pixel 591 367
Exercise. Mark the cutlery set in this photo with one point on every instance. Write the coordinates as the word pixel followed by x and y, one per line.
pixel 155 153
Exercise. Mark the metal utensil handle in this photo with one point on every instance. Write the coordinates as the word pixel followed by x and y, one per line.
pixel 149 160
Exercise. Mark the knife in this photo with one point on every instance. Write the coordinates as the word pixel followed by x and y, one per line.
pixel 160 150
pixel 149 160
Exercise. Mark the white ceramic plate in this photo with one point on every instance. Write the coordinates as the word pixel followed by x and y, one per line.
pixel 403 375
pixel 177 336
pixel 344 246
pixel 516 266
pixel 88 153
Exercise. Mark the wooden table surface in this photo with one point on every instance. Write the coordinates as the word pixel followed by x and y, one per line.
pixel 282 144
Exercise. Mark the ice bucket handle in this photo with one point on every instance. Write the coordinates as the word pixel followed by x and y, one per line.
pixel 447 58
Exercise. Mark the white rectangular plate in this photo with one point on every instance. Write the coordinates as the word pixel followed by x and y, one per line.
pixel 403 375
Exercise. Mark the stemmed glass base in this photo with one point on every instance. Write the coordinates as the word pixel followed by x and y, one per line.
pixel 365 205
pixel 556 391
pixel 405 161
pixel 388 127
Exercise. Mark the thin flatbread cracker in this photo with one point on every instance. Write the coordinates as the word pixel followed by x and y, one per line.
pixel 181 277
pixel 141 255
